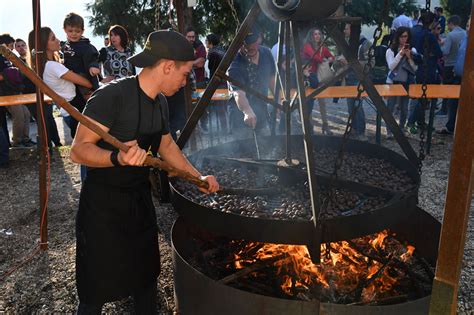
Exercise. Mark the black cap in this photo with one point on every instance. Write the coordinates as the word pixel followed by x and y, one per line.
pixel 163 45
pixel 252 36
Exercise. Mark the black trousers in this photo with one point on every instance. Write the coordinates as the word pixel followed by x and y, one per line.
pixel 144 302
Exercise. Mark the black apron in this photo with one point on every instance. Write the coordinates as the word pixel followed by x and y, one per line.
pixel 117 249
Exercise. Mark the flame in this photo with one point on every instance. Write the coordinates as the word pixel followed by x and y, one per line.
pixel 342 266
pixel 408 254
pixel 378 241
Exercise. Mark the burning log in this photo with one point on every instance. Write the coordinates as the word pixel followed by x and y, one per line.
pixel 366 282
pixel 256 266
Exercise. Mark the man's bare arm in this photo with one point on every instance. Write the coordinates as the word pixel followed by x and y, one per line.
pixel 84 150
pixel 244 106
pixel 171 153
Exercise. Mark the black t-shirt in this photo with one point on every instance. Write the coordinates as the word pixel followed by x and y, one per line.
pixel 115 106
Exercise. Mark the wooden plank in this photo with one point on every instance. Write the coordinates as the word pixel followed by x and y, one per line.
pixel 436 91
pixel 458 197
pixel 21 99
pixel 385 90
pixel 219 95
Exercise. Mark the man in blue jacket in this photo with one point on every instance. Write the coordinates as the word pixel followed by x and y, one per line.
pixel 424 74
pixel 458 72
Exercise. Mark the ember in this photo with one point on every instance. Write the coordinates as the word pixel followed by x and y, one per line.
pixel 371 269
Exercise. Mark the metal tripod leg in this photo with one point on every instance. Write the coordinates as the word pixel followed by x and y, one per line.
pixel 215 80
pixel 315 246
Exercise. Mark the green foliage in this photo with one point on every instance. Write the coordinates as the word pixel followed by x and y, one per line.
pixel 370 10
pixel 137 16
pixel 209 16
pixel 457 7
pixel 215 16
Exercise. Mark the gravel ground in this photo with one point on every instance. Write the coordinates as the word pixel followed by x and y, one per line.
pixel 46 283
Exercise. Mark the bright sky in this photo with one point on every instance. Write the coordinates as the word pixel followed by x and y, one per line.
pixel 16 17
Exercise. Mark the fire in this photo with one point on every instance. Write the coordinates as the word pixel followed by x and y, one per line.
pixel 348 267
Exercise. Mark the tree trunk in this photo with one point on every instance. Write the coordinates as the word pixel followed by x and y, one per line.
pixel 157 14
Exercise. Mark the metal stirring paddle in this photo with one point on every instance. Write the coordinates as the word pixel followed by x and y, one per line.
pixel 256 144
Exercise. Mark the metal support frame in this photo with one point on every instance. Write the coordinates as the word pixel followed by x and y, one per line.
pixel 458 197
pixel 338 37
pixel 278 82
pixel 42 143
pixel 288 91
pixel 315 247
pixel 215 80
pixel 291 28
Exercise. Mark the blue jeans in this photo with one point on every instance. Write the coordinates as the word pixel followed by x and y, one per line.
pixel 453 109
pixel 358 121
pixel 3 148
pixel 402 103
pixel 417 113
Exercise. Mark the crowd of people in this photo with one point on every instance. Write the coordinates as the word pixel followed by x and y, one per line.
pixel 146 111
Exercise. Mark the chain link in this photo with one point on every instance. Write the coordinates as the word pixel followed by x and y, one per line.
pixel 424 97
pixel 360 90
pixel 234 14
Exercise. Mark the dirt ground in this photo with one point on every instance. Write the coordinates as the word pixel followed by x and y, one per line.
pixel 46 283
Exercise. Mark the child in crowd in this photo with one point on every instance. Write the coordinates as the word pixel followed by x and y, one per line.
pixel 81 57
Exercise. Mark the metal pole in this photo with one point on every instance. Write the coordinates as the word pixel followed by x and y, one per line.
pixel 215 80
pixel 277 88
pixel 315 246
pixel 458 197
pixel 288 93
pixel 42 135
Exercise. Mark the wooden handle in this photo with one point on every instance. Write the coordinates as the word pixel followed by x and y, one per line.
pixel 61 102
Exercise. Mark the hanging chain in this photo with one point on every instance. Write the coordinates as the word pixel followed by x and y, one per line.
pixel 234 14
pixel 360 90
pixel 424 97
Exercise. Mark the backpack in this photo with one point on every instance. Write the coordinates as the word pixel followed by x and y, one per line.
pixel 379 54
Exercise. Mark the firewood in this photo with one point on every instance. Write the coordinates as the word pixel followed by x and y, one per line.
pixel 254 267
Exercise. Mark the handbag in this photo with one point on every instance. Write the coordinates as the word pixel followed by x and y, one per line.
pixel 324 71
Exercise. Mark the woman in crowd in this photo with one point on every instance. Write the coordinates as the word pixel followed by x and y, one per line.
pixel 320 59
pixel 402 70
pixel 114 57
pixel 56 75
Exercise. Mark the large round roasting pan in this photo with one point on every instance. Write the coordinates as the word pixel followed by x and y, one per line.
pixel 198 294
pixel 281 231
